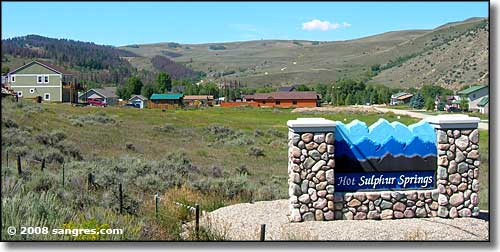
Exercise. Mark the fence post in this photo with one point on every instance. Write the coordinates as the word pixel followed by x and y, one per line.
pixel 62 174
pixel 89 181
pixel 43 164
pixel 120 191
pixel 19 168
pixel 262 232
pixel 197 227
pixel 156 204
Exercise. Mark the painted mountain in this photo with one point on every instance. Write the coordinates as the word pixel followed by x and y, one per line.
pixel 384 147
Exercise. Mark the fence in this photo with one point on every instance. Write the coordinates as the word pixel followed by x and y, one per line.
pixel 162 106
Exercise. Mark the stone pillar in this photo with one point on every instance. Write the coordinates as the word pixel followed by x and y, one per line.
pixel 458 165
pixel 310 169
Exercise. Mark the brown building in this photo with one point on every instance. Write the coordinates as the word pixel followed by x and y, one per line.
pixel 286 99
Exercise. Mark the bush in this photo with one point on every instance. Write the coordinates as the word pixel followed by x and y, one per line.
pixel 167 127
pixel 95 118
pixel 255 151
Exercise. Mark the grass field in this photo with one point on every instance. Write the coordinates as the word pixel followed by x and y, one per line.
pixel 212 156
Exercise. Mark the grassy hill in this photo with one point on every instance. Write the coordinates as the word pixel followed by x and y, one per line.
pixel 282 62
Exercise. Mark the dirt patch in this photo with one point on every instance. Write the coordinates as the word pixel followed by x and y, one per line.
pixel 355 109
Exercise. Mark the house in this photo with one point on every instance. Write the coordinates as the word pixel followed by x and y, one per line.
pixel 474 95
pixel 451 102
pixel 484 105
pixel 166 101
pixel 138 101
pixel 400 98
pixel 39 78
pixel 107 95
pixel 197 100
pixel 285 99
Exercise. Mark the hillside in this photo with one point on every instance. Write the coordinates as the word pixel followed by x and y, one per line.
pixel 282 62
pixel 88 61
pixel 460 62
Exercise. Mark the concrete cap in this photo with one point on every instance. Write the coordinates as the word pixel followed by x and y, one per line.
pixel 314 122
pixel 453 121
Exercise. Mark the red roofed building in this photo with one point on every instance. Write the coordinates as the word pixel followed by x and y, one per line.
pixel 285 99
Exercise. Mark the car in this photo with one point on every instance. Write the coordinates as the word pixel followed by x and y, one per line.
pixel 129 105
pixel 98 102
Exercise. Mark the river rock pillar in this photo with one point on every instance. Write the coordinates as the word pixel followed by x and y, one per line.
pixel 458 165
pixel 311 169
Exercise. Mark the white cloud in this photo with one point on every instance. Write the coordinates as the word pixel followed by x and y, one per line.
pixel 317 24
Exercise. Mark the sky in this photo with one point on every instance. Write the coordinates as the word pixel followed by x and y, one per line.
pixel 125 23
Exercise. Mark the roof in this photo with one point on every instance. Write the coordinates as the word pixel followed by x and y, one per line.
pixel 54 68
pixel 397 95
pixel 138 96
pixel 198 97
pixel 174 96
pixel 403 97
pixel 295 95
pixel 109 92
pixel 483 102
pixel 471 90
pixel 286 89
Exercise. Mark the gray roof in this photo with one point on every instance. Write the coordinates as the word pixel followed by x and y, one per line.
pixel 138 96
pixel 109 92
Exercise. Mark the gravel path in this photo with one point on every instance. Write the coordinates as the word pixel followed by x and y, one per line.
pixel 242 222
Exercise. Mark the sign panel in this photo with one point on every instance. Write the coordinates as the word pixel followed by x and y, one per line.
pixel 384 156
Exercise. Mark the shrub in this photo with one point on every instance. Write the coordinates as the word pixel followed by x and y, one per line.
pixel 256 151
pixel 217 172
pixel 167 127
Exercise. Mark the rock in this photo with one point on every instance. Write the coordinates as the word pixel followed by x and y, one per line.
pixel 462 142
pixel 421 213
pixel 301 144
pixel 321 193
pixel 321 175
pixel 307 137
pixel 443 211
pixel 308 216
pixel 462 187
pixel 386 195
pixel 452 167
pixel 348 197
pixel 475 185
pixel 442 200
pixel 373 215
pixel 330 177
pixel 295 139
pixel 293 199
pixel 304 186
pixel 434 195
pixel 324 156
pixel 456 199
pixel 329 215
pixel 309 163
pixel 305 198
pixel 318 165
pixel 320 204
pixel 456 133
pixel 331 163
pixel 474 199
pixel 295 168
pixel 420 203
pixel 466 212
pixel 411 195
pixel 330 149
pixel 294 189
pixel 360 216
pixel 386 204
pixel 453 212
pixel 396 195
pixel 455 179
pixel 318 214
pixel 311 146
pixel 408 213
pixel 443 146
pixel 363 209
pixel 319 137
pixel 450 155
pixel 354 203
pixel 474 154
pixel 377 201
pixel 330 189
pixel 398 206
pixel 329 138
pixel 386 214
pixel 295 177
pixel 321 185
pixel 347 216
pixel 442 137
pixel 474 136
pixel 322 148
pixel 459 156
pixel 360 196
pixel 442 161
pixel 398 215
pixel 372 196
pixel 442 172
pixel 295 152
pixel 410 203
pixel 314 154
pixel 462 167
pixel 304 209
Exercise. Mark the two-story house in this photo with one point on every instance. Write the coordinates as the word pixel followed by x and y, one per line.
pixel 38 78
pixel 474 95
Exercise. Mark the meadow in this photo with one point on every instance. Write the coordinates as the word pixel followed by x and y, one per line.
pixel 211 156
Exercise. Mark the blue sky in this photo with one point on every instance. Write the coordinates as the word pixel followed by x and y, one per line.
pixel 115 23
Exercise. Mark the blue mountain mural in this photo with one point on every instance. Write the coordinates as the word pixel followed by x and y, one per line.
pixel 385 146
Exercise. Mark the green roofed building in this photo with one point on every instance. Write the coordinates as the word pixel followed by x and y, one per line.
pixel 474 94
pixel 164 101
pixel 484 104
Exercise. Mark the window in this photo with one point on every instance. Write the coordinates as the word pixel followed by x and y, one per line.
pixel 19 93
pixel 42 79
pixel 13 78
pixel 474 96
pixel 294 102
pixel 263 102
pixel 32 90
pixel 46 79
pixel 46 96
pixel 39 79
pixel 278 102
